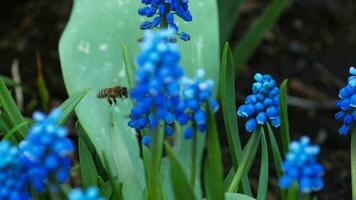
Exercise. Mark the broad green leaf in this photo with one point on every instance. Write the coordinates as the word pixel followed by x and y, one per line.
pixel 213 169
pixel 91 57
pixel 68 106
pixel 110 187
pixel 8 106
pixel 247 158
pixel 227 96
pixel 283 112
pixel 353 162
pixel 87 166
pixel 181 186
pixel 250 41
pixel 263 179
pixel 237 196
pixel 229 11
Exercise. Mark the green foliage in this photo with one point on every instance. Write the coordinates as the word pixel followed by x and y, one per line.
pixel 353 162
pixel 227 95
pixel 263 179
pixel 41 84
pixel 283 113
pixel 213 169
pixel 87 166
pixel 237 196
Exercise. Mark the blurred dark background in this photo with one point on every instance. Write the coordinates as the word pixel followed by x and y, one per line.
pixel 313 45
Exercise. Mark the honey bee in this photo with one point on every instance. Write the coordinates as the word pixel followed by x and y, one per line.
pixel 112 93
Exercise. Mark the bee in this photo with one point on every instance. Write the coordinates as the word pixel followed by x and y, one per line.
pixel 112 93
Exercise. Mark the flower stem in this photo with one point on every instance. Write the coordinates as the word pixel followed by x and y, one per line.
pixel 353 162
pixel 194 155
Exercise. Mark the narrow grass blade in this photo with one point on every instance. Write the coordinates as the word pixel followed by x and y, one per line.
pixel 69 105
pixel 108 189
pixel 263 179
pixel 9 107
pixel 10 133
pixel 227 96
pixel 283 113
pixel 213 176
pixel 228 15
pixel 10 82
pixel 353 162
pixel 41 84
pixel 277 157
pixel 87 166
pixel 247 158
pixel 129 66
pixel 250 41
pixel 228 179
pixel 181 186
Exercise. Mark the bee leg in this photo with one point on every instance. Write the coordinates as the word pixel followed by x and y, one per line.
pixel 115 102
pixel 109 100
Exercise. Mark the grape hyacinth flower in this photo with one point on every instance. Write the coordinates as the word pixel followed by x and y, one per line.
pixel 164 10
pixel 92 193
pixel 191 109
pixel 45 151
pixel 12 177
pixel 157 83
pixel 301 165
pixel 347 103
pixel 262 104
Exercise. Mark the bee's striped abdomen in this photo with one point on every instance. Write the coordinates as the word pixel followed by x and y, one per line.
pixel 103 93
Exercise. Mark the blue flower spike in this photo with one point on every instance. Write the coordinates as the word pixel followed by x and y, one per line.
pixel 45 151
pixel 347 103
pixel 157 88
pixel 262 105
pixel 163 10
pixel 13 178
pixel 191 110
pixel 92 193
pixel 301 165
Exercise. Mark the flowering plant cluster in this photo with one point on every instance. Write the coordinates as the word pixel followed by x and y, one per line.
pixel 347 103
pixel 163 12
pixel 301 166
pixel 262 104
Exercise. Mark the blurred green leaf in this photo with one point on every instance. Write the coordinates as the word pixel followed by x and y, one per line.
pixel 8 105
pixel 41 84
pixel 181 186
pixel 110 187
pixel 228 179
pixel 87 166
pixel 283 113
pixel 228 95
pixel 10 133
pixel 277 157
pixel 213 169
pixel 129 66
pixel 68 106
pixel 250 41
pixel 293 192
pixel 353 162
pixel 11 83
pixel 237 196
pixel 263 176
pixel 247 158
pixel 229 11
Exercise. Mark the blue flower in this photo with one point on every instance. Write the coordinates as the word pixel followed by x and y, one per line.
pixel 13 179
pixel 191 109
pixel 262 104
pixel 157 83
pixel 45 151
pixel 164 10
pixel 301 165
pixel 92 193
pixel 347 103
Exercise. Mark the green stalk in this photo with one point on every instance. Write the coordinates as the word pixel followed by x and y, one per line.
pixel 194 155
pixel 353 162
pixel 156 155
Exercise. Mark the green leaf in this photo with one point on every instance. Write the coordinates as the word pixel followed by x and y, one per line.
pixel 263 179
pixel 8 105
pixel 41 84
pixel 129 66
pixel 283 113
pixel 10 82
pixel 87 166
pixel 181 186
pixel 247 158
pixel 250 41
pixel 229 11
pixel 213 176
pixel 109 188
pixel 353 162
pixel 227 95
pixel 10 133
pixel 237 196
pixel 293 192
pixel 68 106
pixel 277 157
pixel 228 179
